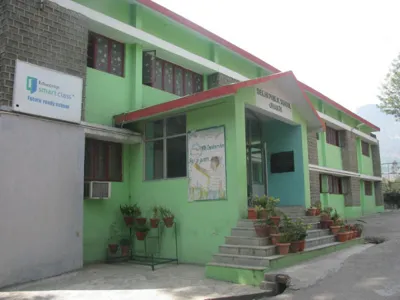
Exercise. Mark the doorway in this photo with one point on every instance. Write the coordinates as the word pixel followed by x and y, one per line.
pixel 256 153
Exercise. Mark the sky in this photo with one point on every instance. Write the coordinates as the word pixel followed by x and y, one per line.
pixel 342 48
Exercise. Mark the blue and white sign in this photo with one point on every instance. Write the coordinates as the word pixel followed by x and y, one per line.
pixel 47 93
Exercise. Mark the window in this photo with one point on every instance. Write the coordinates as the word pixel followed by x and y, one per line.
pixel 165 148
pixel 335 185
pixel 105 55
pixel 332 136
pixel 169 77
pixel 365 148
pixel 282 162
pixel 368 188
pixel 103 161
pixel 317 135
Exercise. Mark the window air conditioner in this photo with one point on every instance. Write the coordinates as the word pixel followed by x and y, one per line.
pixel 97 190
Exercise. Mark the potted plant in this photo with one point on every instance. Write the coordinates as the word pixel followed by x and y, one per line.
pixel 127 212
pixel 262 227
pixel 299 236
pixel 342 235
pixel 325 218
pixel 125 246
pixel 259 208
pixel 273 212
pixel 312 211
pixel 137 213
pixel 284 243
pixel 359 228
pixel 168 216
pixel 155 220
pixel 114 234
pixel 141 231
pixel 318 206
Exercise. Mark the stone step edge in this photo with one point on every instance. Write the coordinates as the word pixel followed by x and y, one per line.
pixel 256 237
pixel 274 257
pixel 243 256
pixel 248 246
pixel 252 229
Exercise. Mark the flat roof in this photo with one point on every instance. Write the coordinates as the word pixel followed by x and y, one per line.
pixel 193 26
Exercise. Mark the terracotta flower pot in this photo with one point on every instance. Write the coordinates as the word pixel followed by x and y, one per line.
pixel 312 211
pixel 318 212
pixel 335 229
pixel 295 246
pixel 141 235
pixel 263 214
pixel 358 233
pixel 128 220
pixel 302 245
pixel 140 221
pixel 113 248
pixel 324 224
pixel 283 248
pixel 169 222
pixel 154 222
pixel 125 250
pixel 275 238
pixel 251 214
pixel 276 220
pixel 341 236
pixel 262 230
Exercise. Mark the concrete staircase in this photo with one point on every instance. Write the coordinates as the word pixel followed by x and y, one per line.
pixel 244 257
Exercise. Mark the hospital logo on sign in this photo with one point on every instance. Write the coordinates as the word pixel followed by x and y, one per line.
pixel 31 84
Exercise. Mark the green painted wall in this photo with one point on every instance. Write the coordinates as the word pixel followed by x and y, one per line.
pixel 100 214
pixel 199 239
pixel 337 202
pixel 333 155
pixel 367 202
pixel 152 96
pixel 116 9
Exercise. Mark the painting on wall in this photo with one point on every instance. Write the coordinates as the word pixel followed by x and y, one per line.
pixel 206 164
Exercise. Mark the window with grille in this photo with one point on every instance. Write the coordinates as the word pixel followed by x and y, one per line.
pixel 332 136
pixel 105 54
pixel 368 188
pixel 365 148
pixel 103 161
pixel 166 76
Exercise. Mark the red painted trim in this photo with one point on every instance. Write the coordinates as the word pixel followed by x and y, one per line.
pixel 203 96
pixel 177 18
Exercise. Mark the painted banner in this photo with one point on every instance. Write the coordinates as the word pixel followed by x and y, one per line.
pixel 206 164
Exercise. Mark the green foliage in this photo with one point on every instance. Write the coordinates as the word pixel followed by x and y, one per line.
pixel 141 228
pixel 130 210
pixel 114 233
pixel 390 91
pixel 125 242
pixel 166 212
pixel 335 217
pixel 156 211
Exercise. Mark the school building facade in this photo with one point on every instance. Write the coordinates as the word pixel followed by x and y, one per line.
pixel 152 109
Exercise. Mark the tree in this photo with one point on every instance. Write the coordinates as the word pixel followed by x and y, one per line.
pixel 390 91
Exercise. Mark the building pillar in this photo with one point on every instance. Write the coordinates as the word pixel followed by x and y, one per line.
pixel 313 159
pixel 351 186
pixel 378 193
pixel 376 160
pixel 349 151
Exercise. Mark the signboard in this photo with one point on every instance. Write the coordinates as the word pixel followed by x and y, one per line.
pixel 206 164
pixel 47 93
pixel 274 104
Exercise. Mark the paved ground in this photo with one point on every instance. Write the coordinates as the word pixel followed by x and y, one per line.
pixel 370 275
pixel 127 281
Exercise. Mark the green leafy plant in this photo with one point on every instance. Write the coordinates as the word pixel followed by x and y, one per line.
pixel 166 212
pixel 300 230
pixel 114 233
pixel 335 217
pixel 156 211
pixel 130 210
pixel 317 204
pixel 141 228
pixel 327 210
pixel 260 201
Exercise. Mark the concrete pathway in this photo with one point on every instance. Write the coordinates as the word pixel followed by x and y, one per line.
pixel 128 281
pixel 369 275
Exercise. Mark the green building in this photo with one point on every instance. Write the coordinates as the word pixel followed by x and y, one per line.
pixel 174 115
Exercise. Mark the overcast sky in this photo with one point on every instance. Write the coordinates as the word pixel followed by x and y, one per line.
pixel 343 48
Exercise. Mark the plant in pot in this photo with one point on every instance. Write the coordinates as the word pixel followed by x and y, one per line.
pixel 299 236
pixel 168 216
pixel 318 206
pixel 112 240
pixel 141 231
pixel 337 223
pixel 137 213
pixel 125 246
pixel 359 228
pixel 285 227
pixel 284 242
pixel 312 211
pixel 325 218
pixel 127 212
pixel 342 234
pixel 273 212
pixel 261 226
pixel 155 220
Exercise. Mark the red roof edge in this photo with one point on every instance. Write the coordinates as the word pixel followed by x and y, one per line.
pixel 178 18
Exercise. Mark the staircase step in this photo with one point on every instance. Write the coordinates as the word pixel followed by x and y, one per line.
pixel 317 233
pixel 236 266
pixel 319 241
pixel 244 231
pixel 234 259
pixel 245 223
pixel 247 241
pixel 261 251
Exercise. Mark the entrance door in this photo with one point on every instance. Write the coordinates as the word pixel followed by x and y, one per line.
pixel 256 160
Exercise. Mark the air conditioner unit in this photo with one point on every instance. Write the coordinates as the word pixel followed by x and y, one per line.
pixel 97 190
